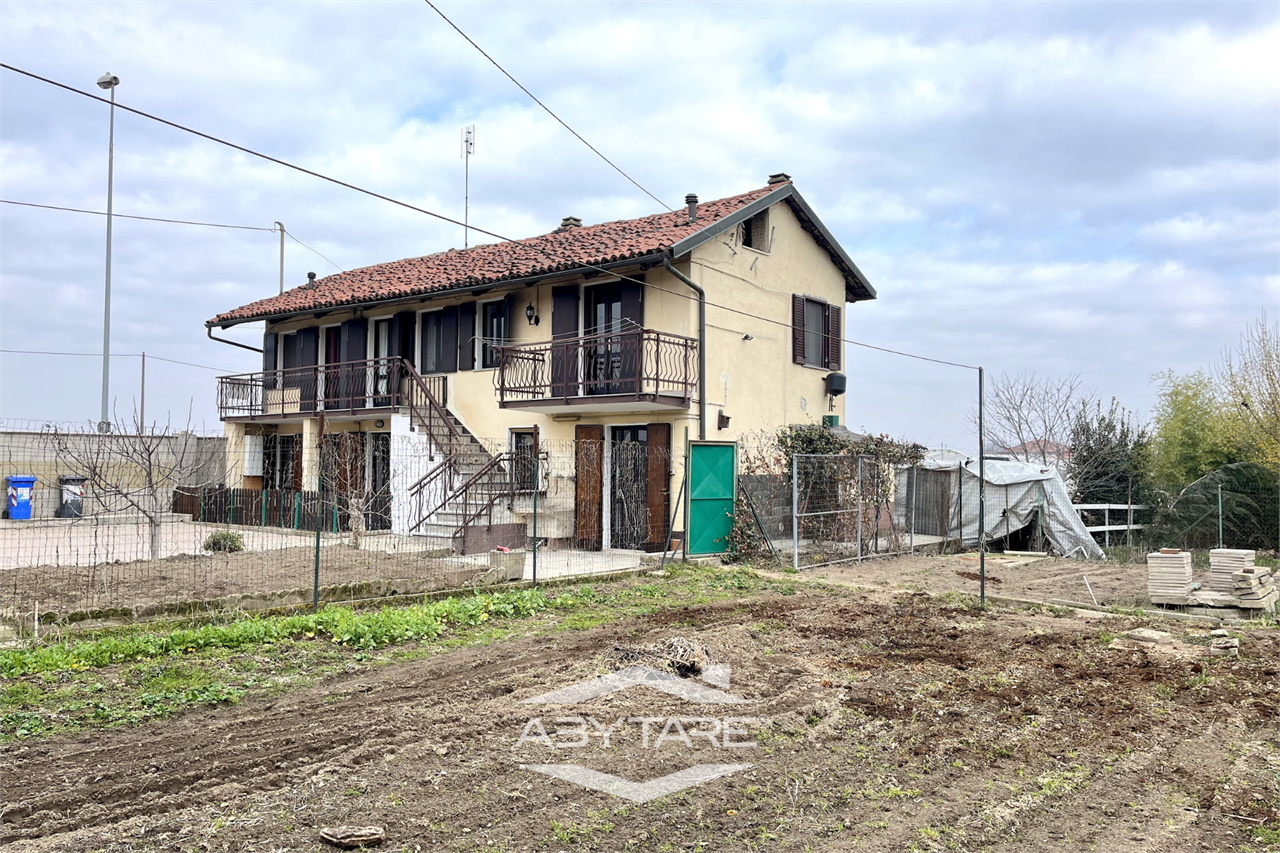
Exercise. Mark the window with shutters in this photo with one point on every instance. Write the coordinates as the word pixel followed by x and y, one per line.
pixel 815 333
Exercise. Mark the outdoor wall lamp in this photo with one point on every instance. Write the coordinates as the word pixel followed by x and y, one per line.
pixel 532 315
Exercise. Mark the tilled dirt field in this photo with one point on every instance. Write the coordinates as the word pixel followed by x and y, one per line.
pixel 887 721
pixel 59 590
pixel 1027 578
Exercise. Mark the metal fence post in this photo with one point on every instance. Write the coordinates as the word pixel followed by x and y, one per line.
pixel 915 498
pixel 1219 515
pixel 795 512
pixel 315 589
pixel 536 483
pixel 859 528
pixel 982 495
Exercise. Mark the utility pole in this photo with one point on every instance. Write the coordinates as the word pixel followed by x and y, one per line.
pixel 468 148
pixel 142 397
pixel 281 225
pixel 108 81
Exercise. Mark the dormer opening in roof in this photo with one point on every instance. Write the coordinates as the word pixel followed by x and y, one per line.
pixel 692 201
pixel 567 223
pixel 779 178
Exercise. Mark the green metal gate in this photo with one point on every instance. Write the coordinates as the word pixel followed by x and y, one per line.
pixel 713 482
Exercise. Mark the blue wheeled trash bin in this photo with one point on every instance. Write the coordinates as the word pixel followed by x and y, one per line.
pixel 19 496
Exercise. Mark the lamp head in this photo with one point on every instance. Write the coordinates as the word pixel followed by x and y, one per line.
pixel 108 81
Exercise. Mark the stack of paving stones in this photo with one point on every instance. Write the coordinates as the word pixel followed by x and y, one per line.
pixel 1223 644
pixel 1253 588
pixel 1169 576
pixel 1225 561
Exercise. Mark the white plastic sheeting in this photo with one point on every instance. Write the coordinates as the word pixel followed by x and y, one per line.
pixel 1015 492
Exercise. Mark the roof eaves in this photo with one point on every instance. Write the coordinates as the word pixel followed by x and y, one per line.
pixel 833 246
pixel 857 288
pixel 644 261
pixel 734 219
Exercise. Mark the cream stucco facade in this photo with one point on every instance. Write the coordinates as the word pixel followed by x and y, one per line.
pixel 752 376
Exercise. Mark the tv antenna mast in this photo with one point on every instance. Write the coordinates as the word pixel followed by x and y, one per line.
pixel 468 148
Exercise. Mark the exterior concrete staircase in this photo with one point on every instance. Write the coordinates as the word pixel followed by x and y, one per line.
pixel 477 486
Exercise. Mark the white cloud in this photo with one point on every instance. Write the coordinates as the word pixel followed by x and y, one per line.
pixel 1043 186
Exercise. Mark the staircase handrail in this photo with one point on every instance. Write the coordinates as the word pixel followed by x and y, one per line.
pixel 434 408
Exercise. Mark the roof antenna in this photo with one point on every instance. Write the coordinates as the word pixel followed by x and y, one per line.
pixel 468 148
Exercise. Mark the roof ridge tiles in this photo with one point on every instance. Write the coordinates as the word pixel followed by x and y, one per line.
pixel 492 263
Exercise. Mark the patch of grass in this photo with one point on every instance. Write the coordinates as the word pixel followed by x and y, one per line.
pixel 1267 834
pixel 133 674
pixel 358 629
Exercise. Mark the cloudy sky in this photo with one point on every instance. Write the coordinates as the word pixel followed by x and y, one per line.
pixel 1062 188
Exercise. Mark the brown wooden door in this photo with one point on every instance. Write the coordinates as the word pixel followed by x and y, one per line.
pixel 658 491
pixel 589 485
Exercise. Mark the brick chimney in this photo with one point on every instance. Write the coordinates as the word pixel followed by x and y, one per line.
pixel 567 223
pixel 779 178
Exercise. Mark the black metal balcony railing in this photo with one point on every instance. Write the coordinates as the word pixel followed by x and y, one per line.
pixel 643 364
pixel 349 386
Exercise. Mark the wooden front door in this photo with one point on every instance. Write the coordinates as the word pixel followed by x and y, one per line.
pixel 588 486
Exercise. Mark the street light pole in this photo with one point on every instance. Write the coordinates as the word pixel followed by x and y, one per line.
pixel 108 81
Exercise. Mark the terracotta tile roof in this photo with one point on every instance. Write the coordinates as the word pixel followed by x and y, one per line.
pixel 561 250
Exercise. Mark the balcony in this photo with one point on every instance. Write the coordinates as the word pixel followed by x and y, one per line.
pixel 640 370
pixel 356 388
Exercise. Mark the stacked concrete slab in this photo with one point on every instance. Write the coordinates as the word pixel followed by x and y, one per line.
pixel 1223 562
pixel 1253 588
pixel 1169 576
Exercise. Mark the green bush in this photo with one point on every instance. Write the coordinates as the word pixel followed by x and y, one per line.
pixel 224 540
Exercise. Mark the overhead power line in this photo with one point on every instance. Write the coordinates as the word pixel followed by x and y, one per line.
pixel 169 221
pixel 127 216
pixel 450 220
pixel 119 355
pixel 546 108
pixel 250 151
pixel 313 251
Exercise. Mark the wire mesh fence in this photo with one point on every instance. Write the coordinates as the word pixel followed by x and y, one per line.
pixel 129 526
pixel 851 508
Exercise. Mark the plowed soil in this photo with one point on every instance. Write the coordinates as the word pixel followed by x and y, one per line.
pixel 1027 578
pixel 887 721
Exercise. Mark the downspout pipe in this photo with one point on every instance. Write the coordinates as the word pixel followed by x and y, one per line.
pixel 209 330
pixel 702 345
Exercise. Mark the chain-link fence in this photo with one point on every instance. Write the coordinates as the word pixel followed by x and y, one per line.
pixel 140 526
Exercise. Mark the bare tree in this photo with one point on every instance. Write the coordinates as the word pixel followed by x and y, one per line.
pixel 1030 418
pixel 1250 375
pixel 343 478
pixel 131 468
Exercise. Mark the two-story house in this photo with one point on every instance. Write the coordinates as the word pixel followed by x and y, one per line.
pixel 710 322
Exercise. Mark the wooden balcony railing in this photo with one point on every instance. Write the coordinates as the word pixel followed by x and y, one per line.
pixel 350 386
pixel 640 365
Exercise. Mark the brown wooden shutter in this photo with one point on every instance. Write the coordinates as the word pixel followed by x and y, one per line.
pixel 589 486
pixel 449 339
pixel 833 339
pixel 269 359
pixel 797 329
pixel 403 328
pixel 467 336
pixel 658 485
